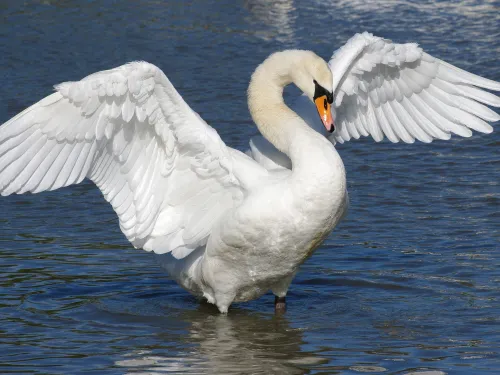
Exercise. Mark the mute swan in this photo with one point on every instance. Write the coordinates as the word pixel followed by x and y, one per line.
pixel 226 226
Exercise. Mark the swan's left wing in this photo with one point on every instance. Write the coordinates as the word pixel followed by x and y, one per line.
pixel 398 91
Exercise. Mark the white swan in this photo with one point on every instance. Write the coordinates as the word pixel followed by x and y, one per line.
pixel 224 225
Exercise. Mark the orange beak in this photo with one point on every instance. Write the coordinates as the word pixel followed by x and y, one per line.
pixel 325 112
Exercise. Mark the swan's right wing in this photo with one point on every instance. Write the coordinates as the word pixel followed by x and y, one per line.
pixel 167 174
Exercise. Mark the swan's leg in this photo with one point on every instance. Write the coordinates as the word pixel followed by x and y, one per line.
pixel 280 289
pixel 279 304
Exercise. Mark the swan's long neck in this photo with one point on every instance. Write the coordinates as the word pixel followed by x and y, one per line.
pixel 314 159
pixel 275 120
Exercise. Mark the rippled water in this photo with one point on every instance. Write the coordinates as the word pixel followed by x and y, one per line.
pixel 408 284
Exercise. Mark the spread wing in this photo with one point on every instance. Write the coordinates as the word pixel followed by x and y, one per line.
pixel 398 91
pixel 167 174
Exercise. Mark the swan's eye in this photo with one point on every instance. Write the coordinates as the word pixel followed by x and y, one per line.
pixel 320 91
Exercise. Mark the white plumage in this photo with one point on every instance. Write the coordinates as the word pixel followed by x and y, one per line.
pixel 227 226
pixel 130 132
pixel 400 92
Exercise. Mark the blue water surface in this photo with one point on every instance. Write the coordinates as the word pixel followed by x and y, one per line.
pixel 409 283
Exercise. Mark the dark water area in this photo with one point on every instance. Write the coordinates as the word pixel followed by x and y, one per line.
pixel 409 283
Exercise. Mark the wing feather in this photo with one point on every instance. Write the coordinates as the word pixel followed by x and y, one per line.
pixel 381 119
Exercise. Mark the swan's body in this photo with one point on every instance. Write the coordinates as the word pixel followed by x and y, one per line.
pixel 250 251
pixel 227 226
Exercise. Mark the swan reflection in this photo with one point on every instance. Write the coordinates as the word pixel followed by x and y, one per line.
pixel 241 342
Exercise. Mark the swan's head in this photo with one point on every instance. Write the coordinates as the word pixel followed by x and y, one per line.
pixel 309 72
pixel 312 75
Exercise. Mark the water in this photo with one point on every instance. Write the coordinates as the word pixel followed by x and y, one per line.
pixel 408 284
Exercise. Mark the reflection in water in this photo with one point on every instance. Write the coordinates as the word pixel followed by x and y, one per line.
pixel 277 14
pixel 241 342
pixel 464 7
